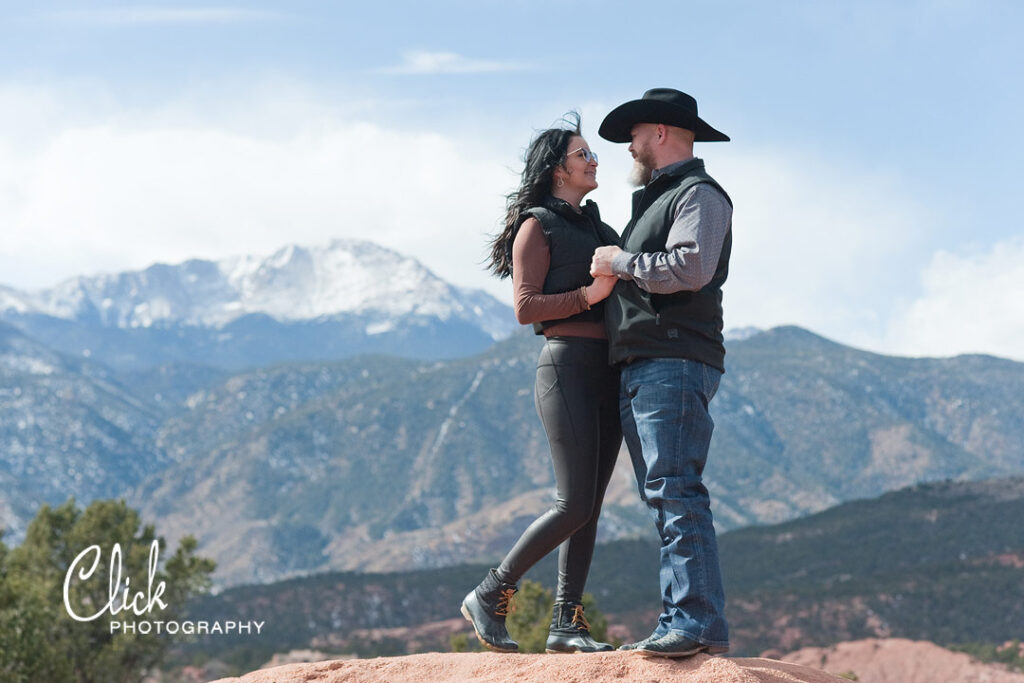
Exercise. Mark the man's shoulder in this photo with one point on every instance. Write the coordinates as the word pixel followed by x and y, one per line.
pixel 705 191
pixel 701 190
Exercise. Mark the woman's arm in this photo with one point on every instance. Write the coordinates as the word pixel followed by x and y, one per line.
pixel 531 258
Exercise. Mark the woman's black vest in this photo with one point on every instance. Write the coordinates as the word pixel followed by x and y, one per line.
pixel 572 238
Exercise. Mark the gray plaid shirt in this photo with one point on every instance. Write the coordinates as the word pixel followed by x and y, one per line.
pixel 701 220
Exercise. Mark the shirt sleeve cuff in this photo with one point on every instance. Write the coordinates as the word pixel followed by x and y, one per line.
pixel 622 265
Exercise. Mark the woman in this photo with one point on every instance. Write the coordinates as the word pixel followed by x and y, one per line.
pixel 546 247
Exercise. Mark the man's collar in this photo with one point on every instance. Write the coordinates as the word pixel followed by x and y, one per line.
pixel 672 168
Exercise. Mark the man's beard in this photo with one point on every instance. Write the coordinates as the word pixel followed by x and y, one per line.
pixel 640 174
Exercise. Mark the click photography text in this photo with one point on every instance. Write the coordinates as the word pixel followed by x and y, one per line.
pixel 122 599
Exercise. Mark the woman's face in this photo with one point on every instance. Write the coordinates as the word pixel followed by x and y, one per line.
pixel 579 170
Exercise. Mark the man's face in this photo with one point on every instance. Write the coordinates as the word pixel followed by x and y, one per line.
pixel 641 147
pixel 642 136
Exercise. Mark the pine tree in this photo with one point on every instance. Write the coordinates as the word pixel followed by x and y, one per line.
pixel 39 640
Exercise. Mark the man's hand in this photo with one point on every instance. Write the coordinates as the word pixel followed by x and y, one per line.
pixel 601 264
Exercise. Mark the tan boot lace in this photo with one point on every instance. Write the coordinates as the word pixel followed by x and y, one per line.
pixel 578 619
pixel 505 604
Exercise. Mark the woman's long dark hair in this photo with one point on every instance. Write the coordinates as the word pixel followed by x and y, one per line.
pixel 545 153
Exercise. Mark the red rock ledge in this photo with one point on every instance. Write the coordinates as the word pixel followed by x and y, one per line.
pixel 491 667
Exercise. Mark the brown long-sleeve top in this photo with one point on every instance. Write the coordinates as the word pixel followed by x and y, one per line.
pixel 531 258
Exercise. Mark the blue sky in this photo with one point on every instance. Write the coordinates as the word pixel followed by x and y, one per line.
pixel 875 161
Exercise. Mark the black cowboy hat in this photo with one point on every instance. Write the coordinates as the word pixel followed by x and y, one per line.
pixel 658 105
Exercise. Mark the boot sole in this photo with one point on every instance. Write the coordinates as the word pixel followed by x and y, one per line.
pixel 670 655
pixel 492 648
pixel 573 651
pixel 711 650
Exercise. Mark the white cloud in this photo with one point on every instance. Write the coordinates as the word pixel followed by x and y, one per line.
pixel 818 244
pixel 847 253
pixel 142 15
pixel 109 196
pixel 428 63
pixel 973 302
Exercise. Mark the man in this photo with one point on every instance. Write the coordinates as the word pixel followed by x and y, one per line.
pixel 664 323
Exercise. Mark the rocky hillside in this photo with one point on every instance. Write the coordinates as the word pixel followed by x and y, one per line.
pixel 383 463
pixel 810 422
pixel 67 428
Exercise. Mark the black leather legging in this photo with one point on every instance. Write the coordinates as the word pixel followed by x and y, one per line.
pixel 577 399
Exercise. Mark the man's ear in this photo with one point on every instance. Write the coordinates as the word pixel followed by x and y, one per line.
pixel 662 134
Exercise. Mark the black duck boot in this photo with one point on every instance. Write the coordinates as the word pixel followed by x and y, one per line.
pixel 486 607
pixel 570 631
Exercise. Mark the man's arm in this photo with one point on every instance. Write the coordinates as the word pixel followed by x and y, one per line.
pixel 699 226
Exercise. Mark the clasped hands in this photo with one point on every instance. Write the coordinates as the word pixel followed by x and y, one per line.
pixel 601 271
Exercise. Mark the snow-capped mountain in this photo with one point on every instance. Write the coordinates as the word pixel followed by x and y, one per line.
pixel 294 283
pixel 325 301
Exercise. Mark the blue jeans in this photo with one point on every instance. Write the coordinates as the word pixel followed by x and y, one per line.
pixel 666 425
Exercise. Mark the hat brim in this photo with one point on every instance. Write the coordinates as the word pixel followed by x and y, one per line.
pixel 619 123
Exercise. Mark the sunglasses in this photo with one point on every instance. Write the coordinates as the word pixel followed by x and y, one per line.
pixel 588 156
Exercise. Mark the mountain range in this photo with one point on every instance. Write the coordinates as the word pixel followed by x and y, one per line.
pixel 68 427
pixel 387 463
pixel 383 464
pixel 299 303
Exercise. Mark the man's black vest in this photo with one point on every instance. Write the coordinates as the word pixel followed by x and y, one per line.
pixel 572 238
pixel 678 325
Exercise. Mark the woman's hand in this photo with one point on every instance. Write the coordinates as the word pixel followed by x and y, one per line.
pixel 600 289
